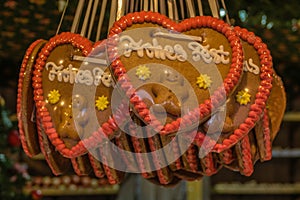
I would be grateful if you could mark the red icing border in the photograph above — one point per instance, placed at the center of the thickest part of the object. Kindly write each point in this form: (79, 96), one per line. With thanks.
(246, 148)
(176, 152)
(191, 155)
(19, 96)
(139, 153)
(267, 137)
(156, 161)
(209, 167)
(109, 171)
(205, 108)
(76, 166)
(124, 157)
(262, 95)
(99, 173)
(107, 129)
(43, 150)
(227, 156)
(247, 164)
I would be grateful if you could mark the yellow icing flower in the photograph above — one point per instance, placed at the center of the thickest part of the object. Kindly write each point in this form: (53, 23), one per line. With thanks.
(101, 103)
(204, 81)
(243, 97)
(143, 72)
(54, 96)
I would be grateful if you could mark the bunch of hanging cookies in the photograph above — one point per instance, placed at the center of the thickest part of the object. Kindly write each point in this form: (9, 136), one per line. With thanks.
(166, 99)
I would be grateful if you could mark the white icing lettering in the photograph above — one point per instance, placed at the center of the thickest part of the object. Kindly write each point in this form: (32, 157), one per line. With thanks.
(249, 66)
(176, 52)
(180, 52)
(153, 49)
(157, 48)
(199, 52)
(208, 55)
(97, 72)
(54, 71)
(84, 77)
(219, 55)
(169, 53)
(130, 45)
(72, 75)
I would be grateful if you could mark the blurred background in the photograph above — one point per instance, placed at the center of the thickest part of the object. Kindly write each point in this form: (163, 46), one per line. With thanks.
(277, 22)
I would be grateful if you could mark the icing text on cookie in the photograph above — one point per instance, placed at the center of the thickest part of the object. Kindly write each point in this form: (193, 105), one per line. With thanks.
(175, 52)
(72, 75)
(208, 55)
(249, 66)
(153, 50)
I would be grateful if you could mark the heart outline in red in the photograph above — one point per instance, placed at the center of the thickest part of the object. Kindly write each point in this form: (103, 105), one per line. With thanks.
(205, 108)
(106, 130)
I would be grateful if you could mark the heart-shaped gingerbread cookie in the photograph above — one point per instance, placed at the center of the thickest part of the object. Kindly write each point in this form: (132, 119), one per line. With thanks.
(72, 91)
(181, 71)
(248, 110)
(25, 104)
(246, 105)
(67, 89)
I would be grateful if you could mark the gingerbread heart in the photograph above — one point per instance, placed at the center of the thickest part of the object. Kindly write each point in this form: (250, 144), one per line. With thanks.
(25, 104)
(182, 71)
(246, 105)
(256, 141)
(68, 87)
(268, 127)
(33, 138)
